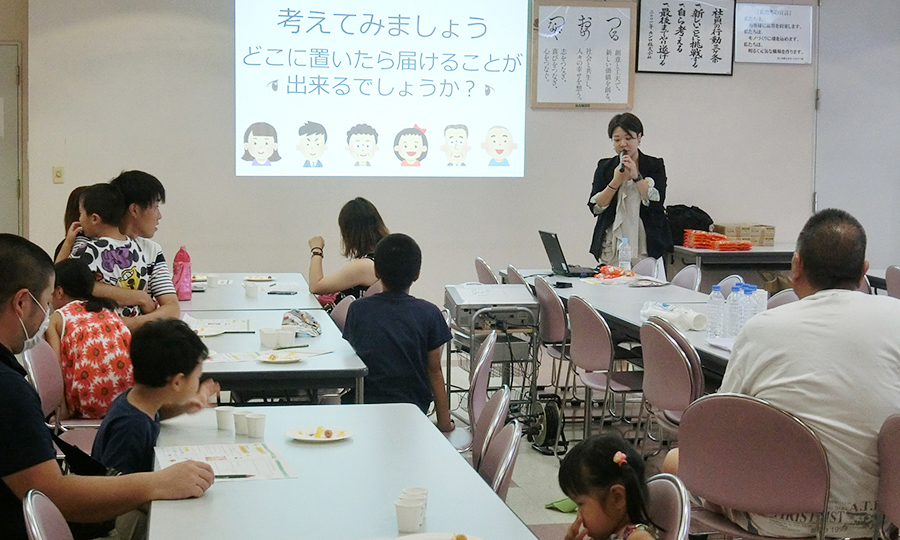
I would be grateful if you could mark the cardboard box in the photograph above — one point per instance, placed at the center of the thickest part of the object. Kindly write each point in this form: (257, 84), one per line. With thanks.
(760, 235)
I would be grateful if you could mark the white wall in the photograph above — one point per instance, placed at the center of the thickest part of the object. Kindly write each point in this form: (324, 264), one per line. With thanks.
(148, 85)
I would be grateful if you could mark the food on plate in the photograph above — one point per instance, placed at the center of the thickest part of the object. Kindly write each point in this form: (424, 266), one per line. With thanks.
(458, 537)
(610, 272)
(319, 431)
(328, 433)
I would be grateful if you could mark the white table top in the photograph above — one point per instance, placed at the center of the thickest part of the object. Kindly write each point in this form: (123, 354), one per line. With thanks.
(232, 296)
(345, 490)
(341, 362)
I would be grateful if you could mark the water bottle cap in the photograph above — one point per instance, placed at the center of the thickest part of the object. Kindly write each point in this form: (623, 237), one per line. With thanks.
(717, 287)
(624, 240)
(736, 288)
(748, 290)
(752, 287)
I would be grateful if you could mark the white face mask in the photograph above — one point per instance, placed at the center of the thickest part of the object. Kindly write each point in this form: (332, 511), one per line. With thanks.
(31, 342)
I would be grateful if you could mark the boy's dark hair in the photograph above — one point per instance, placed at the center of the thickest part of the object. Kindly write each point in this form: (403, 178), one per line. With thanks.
(106, 201)
(362, 129)
(140, 188)
(361, 228)
(164, 348)
(411, 131)
(77, 281)
(261, 129)
(457, 126)
(312, 128)
(398, 260)
(832, 247)
(72, 207)
(23, 265)
(590, 469)
(627, 121)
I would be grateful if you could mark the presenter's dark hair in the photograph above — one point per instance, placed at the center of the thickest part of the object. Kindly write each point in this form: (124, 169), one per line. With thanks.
(627, 121)
(77, 281)
(411, 131)
(261, 129)
(164, 348)
(398, 260)
(140, 188)
(362, 129)
(72, 209)
(312, 128)
(23, 265)
(832, 248)
(106, 201)
(361, 228)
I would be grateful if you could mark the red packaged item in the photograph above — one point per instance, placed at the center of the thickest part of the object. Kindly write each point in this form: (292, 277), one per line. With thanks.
(733, 245)
(181, 274)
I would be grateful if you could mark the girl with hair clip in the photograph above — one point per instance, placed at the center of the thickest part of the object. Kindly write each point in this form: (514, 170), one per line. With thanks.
(91, 342)
(604, 475)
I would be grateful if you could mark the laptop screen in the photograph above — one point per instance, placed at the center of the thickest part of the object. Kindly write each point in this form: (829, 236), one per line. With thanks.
(554, 253)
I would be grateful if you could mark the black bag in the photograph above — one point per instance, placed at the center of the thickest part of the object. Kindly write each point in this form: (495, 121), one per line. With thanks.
(683, 217)
(82, 464)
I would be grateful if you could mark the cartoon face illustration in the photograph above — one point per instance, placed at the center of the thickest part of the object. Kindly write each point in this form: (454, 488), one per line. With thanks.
(411, 146)
(130, 279)
(456, 144)
(261, 144)
(362, 147)
(312, 143)
(498, 143)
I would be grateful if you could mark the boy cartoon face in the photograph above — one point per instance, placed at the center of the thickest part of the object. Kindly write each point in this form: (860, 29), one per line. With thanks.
(456, 145)
(362, 147)
(498, 143)
(410, 147)
(260, 147)
(312, 146)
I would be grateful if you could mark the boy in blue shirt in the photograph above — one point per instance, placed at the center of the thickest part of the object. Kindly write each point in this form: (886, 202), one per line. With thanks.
(167, 357)
(398, 336)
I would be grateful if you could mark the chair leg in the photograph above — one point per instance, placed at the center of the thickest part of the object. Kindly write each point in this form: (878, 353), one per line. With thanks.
(588, 412)
(637, 426)
(606, 397)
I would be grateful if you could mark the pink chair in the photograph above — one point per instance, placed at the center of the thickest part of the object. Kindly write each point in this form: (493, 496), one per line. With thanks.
(741, 453)
(374, 288)
(43, 520)
(479, 376)
(688, 277)
(669, 506)
(485, 274)
(339, 313)
(781, 298)
(553, 327)
(591, 350)
(646, 267)
(729, 282)
(889, 462)
(489, 423)
(500, 458)
(892, 279)
(514, 277)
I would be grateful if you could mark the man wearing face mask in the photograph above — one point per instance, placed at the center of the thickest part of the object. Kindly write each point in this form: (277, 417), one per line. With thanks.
(27, 456)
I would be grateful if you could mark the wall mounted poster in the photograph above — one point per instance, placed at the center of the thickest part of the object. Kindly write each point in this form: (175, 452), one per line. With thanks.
(774, 34)
(582, 55)
(686, 37)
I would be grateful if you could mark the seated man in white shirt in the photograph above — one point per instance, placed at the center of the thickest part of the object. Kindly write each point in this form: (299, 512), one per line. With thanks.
(833, 360)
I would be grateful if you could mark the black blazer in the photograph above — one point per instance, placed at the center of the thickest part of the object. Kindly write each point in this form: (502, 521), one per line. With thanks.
(656, 226)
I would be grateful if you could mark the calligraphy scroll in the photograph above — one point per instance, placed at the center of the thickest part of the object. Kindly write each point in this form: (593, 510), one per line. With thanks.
(681, 36)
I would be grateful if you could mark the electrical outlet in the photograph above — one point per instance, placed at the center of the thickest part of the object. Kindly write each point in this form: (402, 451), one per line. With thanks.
(58, 175)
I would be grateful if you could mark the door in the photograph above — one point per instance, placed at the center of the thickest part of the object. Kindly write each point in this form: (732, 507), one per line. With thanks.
(10, 166)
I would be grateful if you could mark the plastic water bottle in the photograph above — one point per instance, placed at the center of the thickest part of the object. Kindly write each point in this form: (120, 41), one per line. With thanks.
(748, 304)
(715, 313)
(762, 300)
(625, 254)
(733, 312)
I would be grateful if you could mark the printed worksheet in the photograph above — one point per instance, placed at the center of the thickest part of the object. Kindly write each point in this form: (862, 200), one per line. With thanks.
(246, 461)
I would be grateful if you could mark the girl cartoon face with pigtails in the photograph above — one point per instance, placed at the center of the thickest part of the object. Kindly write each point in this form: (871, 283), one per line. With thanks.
(411, 146)
(261, 144)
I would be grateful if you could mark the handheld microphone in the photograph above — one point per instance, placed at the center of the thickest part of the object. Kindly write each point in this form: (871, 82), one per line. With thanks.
(621, 165)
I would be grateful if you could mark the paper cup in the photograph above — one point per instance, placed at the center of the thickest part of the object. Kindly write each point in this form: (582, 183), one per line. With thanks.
(422, 497)
(212, 281)
(240, 422)
(286, 338)
(409, 515)
(251, 290)
(268, 338)
(256, 425)
(416, 491)
(224, 415)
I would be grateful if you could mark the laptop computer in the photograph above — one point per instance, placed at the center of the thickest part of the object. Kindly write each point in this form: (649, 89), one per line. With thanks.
(558, 261)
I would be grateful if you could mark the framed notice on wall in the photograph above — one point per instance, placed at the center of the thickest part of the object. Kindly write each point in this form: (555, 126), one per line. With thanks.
(582, 54)
(686, 37)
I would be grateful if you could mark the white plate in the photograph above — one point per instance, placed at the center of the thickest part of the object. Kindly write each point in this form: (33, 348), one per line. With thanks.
(279, 357)
(209, 332)
(198, 277)
(308, 434)
(433, 536)
(259, 278)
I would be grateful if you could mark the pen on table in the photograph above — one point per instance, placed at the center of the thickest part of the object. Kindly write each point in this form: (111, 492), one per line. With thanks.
(226, 476)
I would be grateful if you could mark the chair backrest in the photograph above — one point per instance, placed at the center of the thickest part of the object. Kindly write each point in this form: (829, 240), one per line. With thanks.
(781, 298)
(668, 378)
(889, 462)
(485, 274)
(500, 458)
(46, 376)
(514, 277)
(339, 313)
(374, 288)
(43, 520)
(554, 324)
(729, 282)
(892, 279)
(591, 346)
(864, 285)
(489, 423)
(688, 277)
(689, 351)
(669, 506)
(646, 267)
(479, 376)
(740, 452)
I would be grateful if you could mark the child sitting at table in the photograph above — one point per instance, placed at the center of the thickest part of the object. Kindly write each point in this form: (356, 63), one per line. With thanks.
(167, 357)
(90, 341)
(398, 336)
